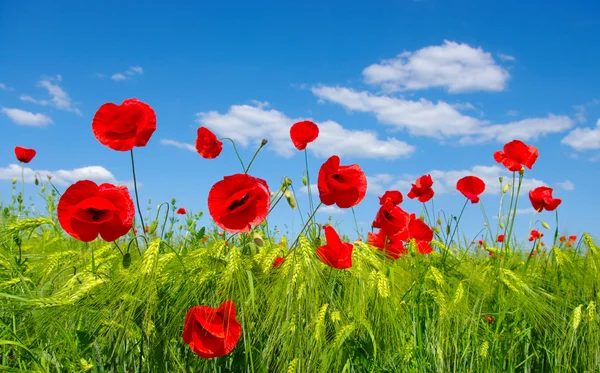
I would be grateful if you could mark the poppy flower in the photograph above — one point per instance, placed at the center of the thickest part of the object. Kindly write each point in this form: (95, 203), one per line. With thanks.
(121, 127)
(181, 211)
(335, 253)
(500, 238)
(344, 186)
(421, 233)
(277, 262)
(239, 201)
(421, 189)
(303, 133)
(471, 187)
(391, 219)
(517, 154)
(535, 235)
(541, 199)
(489, 319)
(562, 239)
(24, 155)
(207, 144)
(392, 196)
(572, 238)
(393, 247)
(86, 209)
(212, 332)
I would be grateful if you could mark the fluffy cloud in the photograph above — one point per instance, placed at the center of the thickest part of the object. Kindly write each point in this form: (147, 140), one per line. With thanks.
(567, 185)
(4, 87)
(59, 98)
(247, 124)
(331, 210)
(97, 174)
(128, 74)
(26, 118)
(584, 138)
(456, 67)
(177, 144)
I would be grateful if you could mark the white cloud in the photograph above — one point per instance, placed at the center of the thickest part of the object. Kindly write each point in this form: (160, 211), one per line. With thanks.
(178, 144)
(59, 98)
(457, 67)
(566, 185)
(377, 184)
(4, 87)
(512, 113)
(506, 57)
(331, 210)
(525, 130)
(247, 124)
(26, 118)
(97, 174)
(580, 113)
(132, 71)
(584, 138)
(445, 181)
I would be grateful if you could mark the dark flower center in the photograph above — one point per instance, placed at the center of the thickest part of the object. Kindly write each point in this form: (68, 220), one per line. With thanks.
(238, 202)
(95, 214)
(337, 177)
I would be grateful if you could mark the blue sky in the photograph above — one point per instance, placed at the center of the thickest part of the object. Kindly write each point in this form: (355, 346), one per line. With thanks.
(403, 88)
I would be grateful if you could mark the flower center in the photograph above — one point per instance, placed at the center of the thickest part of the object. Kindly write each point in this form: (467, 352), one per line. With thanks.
(238, 202)
(337, 177)
(96, 214)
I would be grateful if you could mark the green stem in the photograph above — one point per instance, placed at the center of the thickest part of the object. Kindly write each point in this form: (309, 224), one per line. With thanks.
(137, 199)
(310, 201)
(303, 228)
(236, 151)
(512, 198)
(356, 224)
(556, 230)
(456, 226)
(262, 144)
(514, 212)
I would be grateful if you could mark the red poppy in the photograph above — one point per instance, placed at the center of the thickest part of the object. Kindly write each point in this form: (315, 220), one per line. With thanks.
(181, 211)
(207, 144)
(345, 186)
(422, 189)
(541, 199)
(392, 196)
(393, 247)
(147, 229)
(572, 238)
(480, 242)
(303, 133)
(500, 238)
(562, 239)
(335, 253)
(239, 201)
(86, 210)
(121, 127)
(212, 332)
(278, 261)
(24, 155)
(489, 319)
(517, 154)
(535, 235)
(391, 219)
(421, 232)
(471, 187)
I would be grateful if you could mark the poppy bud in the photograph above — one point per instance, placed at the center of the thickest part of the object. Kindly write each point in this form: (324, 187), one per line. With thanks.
(522, 171)
(505, 190)
(545, 225)
(287, 182)
(49, 177)
(448, 229)
(439, 221)
(43, 189)
(501, 225)
(291, 200)
(437, 229)
(264, 142)
(180, 226)
(14, 180)
(272, 194)
(304, 181)
(422, 217)
(501, 179)
(258, 240)
(36, 182)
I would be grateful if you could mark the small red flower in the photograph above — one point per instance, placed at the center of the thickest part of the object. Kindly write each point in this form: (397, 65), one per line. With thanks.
(562, 239)
(393, 247)
(24, 155)
(572, 238)
(541, 199)
(181, 211)
(471, 187)
(392, 196)
(344, 186)
(516, 155)
(335, 253)
(278, 261)
(391, 219)
(303, 133)
(500, 238)
(422, 189)
(121, 127)
(239, 201)
(207, 144)
(212, 332)
(147, 228)
(489, 319)
(535, 235)
(86, 210)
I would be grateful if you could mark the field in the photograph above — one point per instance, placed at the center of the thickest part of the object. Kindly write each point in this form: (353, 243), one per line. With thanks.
(418, 299)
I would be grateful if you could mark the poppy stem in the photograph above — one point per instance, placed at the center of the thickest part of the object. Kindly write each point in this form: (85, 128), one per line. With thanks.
(303, 228)
(310, 201)
(137, 199)
(22, 186)
(514, 212)
(556, 230)
(356, 224)
(456, 226)
(262, 144)
(236, 151)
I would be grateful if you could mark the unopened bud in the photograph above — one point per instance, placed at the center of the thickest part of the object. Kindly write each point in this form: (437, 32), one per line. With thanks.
(545, 225)
(505, 190)
(258, 240)
(422, 217)
(264, 142)
(43, 188)
(501, 179)
(437, 229)
(448, 229)
(290, 199)
(180, 226)
(501, 225)
(287, 182)
(522, 171)
(439, 221)
(36, 182)
(14, 180)
(304, 180)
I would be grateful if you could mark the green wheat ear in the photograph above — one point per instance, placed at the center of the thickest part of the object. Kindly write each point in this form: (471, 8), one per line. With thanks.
(28, 224)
